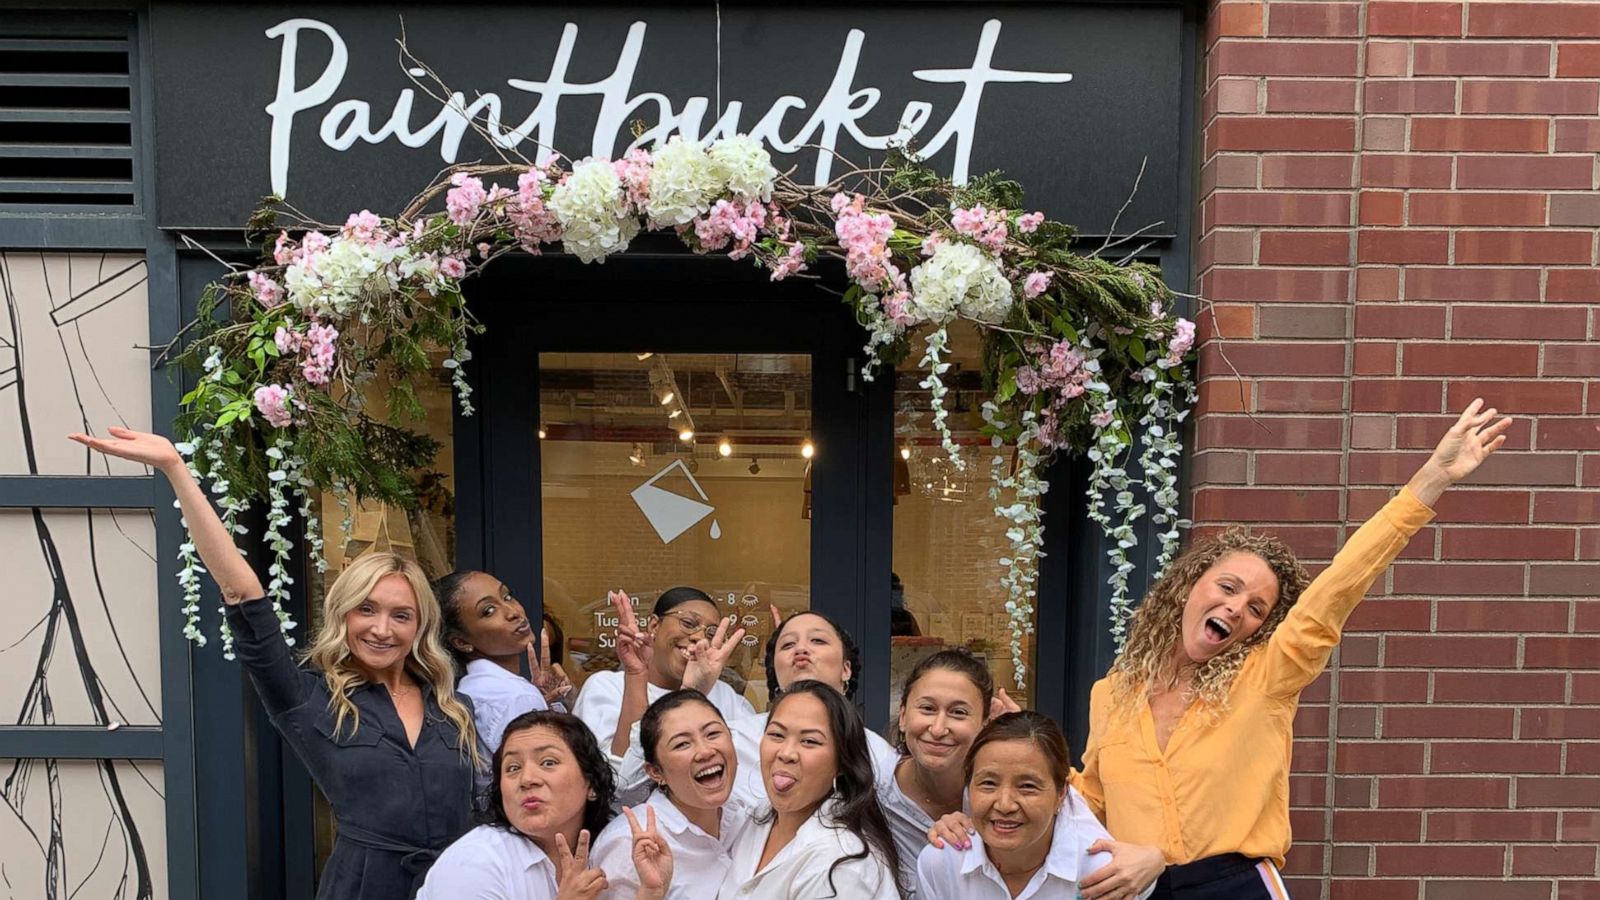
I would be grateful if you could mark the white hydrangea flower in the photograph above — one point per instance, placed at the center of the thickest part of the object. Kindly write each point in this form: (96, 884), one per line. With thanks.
(592, 208)
(959, 277)
(683, 182)
(744, 167)
(330, 282)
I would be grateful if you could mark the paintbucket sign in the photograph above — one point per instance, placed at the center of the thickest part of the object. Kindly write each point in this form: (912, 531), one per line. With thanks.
(316, 104)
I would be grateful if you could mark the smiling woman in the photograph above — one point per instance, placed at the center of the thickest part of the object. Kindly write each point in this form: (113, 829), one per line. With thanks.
(373, 708)
(1217, 657)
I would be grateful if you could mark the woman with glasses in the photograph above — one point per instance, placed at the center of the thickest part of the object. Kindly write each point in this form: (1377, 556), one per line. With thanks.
(682, 618)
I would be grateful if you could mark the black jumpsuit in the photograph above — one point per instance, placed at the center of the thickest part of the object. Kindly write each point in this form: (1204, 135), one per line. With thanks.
(397, 807)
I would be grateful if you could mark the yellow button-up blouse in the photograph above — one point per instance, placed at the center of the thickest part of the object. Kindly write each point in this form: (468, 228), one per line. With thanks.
(1223, 787)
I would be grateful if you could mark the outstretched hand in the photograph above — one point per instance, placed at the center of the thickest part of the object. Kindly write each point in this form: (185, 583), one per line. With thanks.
(152, 450)
(1470, 441)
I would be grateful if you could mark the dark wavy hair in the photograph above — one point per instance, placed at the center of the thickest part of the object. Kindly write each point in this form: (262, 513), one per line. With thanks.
(580, 740)
(1037, 729)
(852, 654)
(856, 809)
(951, 659)
(650, 722)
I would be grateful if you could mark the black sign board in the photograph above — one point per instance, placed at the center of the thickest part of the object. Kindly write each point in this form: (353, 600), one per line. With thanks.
(314, 101)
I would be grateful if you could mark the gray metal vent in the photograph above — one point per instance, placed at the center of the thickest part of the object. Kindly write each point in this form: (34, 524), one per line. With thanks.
(66, 120)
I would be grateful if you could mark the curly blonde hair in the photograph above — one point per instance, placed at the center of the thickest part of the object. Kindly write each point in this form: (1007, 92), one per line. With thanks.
(428, 660)
(1156, 633)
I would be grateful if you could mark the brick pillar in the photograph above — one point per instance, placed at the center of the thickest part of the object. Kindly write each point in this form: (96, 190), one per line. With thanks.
(1398, 213)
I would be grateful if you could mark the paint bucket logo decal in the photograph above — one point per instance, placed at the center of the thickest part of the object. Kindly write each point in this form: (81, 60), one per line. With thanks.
(670, 513)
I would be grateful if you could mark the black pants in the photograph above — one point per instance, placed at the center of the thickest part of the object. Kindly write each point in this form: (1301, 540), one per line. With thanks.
(1226, 877)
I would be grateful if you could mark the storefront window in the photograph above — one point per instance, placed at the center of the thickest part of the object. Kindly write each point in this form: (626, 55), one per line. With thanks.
(659, 470)
(947, 541)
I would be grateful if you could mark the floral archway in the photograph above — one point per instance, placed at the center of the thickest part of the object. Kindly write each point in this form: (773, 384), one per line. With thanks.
(1081, 354)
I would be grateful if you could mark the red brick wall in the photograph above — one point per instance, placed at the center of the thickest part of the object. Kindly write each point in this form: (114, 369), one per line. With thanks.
(1399, 213)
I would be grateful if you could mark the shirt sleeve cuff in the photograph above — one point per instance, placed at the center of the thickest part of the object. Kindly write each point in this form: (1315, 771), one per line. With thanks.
(1406, 513)
(251, 619)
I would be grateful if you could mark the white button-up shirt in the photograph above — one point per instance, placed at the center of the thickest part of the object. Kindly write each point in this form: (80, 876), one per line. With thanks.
(491, 863)
(599, 703)
(800, 871)
(498, 696)
(699, 861)
(949, 873)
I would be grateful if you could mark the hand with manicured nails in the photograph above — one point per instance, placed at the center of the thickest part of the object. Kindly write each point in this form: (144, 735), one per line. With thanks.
(953, 830)
(152, 450)
(707, 659)
(1133, 868)
(574, 879)
(652, 858)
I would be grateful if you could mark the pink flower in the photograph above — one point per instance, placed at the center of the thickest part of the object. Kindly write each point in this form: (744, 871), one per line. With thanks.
(364, 226)
(1035, 284)
(865, 239)
(1030, 222)
(633, 170)
(838, 202)
(283, 250)
(1182, 338)
(288, 341)
(897, 306)
(532, 222)
(320, 345)
(268, 292)
(485, 248)
(463, 201)
(987, 227)
(313, 243)
(452, 267)
(1103, 418)
(790, 263)
(970, 222)
(932, 243)
(272, 401)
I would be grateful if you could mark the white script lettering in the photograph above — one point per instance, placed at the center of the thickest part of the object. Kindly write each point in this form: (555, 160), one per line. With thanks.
(841, 107)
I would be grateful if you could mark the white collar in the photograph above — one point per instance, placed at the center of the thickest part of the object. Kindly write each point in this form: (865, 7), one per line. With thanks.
(488, 668)
(671, 818)
(1061, 861)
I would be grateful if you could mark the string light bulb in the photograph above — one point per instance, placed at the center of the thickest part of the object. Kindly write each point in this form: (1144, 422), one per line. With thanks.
(541, 432)
(725, 447)
(905, 451)
(808, 449)
(686, 434)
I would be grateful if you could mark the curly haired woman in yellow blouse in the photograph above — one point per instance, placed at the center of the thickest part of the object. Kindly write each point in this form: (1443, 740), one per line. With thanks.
(1190, 733)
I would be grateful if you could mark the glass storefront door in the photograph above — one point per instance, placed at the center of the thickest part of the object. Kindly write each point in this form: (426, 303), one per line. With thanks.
(667, 433)
(665, 469)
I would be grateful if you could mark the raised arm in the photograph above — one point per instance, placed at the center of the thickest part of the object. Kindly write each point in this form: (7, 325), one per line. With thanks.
(1299, 649)
(211, 538)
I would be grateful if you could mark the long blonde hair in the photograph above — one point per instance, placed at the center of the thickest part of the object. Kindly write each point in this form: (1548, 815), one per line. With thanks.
(428, 660)
(1156, 633)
